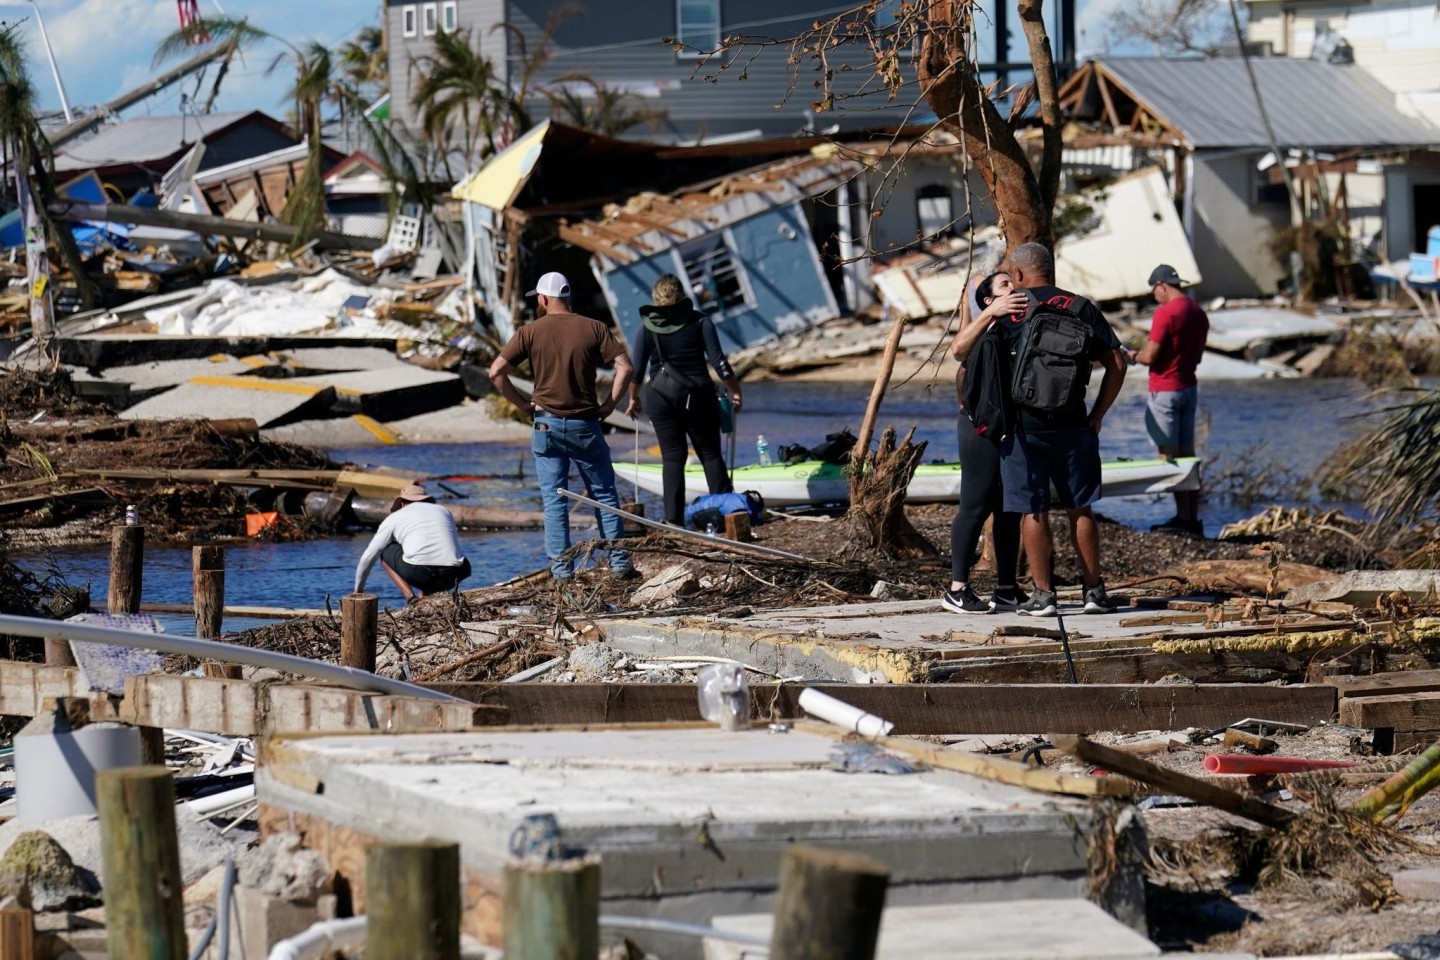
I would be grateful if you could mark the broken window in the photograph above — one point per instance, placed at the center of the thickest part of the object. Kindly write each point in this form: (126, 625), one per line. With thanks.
(1271, 194)
(450, 16)
(934, 210)
(715, 275)
(430, 19)
(408, 21)
(697, 26)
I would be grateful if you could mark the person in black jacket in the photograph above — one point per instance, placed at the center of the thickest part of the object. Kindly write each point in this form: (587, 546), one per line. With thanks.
(980, 491)
(670, 359)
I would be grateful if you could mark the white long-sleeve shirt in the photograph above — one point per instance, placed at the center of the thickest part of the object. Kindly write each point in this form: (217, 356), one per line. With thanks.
(426, 534)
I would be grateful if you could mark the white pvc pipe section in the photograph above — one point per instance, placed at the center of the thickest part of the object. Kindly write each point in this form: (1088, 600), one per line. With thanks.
(320, 940)
(842, 714)
(350, 677)
(214, 803)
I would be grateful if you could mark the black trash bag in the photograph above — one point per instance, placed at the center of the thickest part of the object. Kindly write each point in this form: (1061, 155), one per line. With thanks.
(836, 448)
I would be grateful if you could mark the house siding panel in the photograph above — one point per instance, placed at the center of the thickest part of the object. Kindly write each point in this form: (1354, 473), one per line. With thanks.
(480, 17)
(1230, 232)
(699, 99)
(782, 273)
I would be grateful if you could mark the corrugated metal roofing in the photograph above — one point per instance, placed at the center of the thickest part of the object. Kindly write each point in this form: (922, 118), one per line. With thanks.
(141, 140)
(1310, 103)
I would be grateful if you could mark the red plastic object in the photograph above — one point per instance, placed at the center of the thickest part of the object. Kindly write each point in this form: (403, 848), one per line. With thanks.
(1241, 763)
(256, 522)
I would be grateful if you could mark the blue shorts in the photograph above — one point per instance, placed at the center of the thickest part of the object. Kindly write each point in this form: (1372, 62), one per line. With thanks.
(1170, 418)
(1059, 469)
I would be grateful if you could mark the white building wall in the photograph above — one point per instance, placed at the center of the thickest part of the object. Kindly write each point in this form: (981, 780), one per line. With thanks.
(1398, 41)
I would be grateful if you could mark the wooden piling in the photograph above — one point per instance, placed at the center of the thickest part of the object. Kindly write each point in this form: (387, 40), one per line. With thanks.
(208, 571)
(144, 892)
(359, 622)
(828, 906)
(552, 909)
(58, 654)
(17, 934)
(412, 901)
(737, 527)
(635, 510)
(127, 563)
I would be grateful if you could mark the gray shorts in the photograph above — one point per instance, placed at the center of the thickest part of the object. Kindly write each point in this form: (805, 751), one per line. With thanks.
(1170, 418)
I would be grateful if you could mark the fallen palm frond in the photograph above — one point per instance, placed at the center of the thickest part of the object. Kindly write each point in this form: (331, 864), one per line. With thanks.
(1397, 467)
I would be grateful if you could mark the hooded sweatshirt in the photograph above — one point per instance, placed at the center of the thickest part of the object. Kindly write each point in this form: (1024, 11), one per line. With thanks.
(681, 337)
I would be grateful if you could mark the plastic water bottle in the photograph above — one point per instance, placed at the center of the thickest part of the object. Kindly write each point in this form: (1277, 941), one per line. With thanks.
(762, 451)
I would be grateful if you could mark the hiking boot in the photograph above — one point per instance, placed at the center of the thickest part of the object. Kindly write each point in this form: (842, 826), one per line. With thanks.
(1173, 525)
(1040, 604)
(964, 600)
(1195, 528)
(1008, 599)
(629, 573)
(1096, 600)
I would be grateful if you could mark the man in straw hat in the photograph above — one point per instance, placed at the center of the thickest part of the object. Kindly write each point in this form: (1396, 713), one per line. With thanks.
(417, 545)
(564, 350)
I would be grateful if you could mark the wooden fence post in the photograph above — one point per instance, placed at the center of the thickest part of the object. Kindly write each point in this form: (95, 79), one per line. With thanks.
(17, 934)
(144, 892)
(127, 566)
(208, 571)
(552, 909)
(359, 622)
(828, 906)
(412, 901)
(630, 528)
(737, 527)
(58, 654)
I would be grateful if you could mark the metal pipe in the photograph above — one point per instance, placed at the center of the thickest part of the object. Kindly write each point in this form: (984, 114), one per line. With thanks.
(54, 68)
(214, 650)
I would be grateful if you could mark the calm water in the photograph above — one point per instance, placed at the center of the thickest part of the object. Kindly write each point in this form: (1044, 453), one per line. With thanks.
(1291, 426)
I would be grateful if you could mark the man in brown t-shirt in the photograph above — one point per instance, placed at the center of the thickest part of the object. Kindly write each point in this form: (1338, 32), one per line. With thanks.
(564, 350)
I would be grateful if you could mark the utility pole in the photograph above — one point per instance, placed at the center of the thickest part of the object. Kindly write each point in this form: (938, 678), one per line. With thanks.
(37, 257)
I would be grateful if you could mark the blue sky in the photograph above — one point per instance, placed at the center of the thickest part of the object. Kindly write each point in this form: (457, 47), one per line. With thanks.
(104, 47)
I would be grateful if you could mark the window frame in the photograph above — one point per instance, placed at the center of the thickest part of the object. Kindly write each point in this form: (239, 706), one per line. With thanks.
(410, 20)
(449, 16)
(691, 53)
(1264, 193)
(702, 247)
(932, 192)
(430, 19)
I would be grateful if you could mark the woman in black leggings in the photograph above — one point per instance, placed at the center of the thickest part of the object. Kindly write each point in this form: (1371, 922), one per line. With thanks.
(678, 336)
(980, 494)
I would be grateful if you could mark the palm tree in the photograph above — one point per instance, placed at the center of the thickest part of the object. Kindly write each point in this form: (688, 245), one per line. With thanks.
(458, 88)
(364, 60)
(606, 110)
(26, 146)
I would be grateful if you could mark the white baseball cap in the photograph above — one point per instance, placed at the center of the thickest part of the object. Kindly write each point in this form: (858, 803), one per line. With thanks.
(552, 284)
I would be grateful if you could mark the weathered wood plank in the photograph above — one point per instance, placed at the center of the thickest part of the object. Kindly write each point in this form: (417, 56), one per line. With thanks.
(1128, 665)
(927, 708)
(1406, 712)
(25, 686)
(1385, 684)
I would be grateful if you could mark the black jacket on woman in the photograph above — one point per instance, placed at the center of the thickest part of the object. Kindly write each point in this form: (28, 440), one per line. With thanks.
(686, 340)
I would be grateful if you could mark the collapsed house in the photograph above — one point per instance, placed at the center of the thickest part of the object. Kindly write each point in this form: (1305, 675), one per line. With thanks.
(1353, 155)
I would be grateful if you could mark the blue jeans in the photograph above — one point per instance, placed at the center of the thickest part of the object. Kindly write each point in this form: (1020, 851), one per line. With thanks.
(556, 442)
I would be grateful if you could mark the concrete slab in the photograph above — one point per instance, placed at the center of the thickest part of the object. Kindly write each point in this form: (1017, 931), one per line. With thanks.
(1362, 588)
(169, 373)
(902, 641)
(391, 393)
(1014, 930)
(344, 359)
(269, 402)
(689, 822)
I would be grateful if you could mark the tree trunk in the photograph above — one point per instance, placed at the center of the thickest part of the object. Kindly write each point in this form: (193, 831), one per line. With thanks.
(951, 85)
(877, 496)
(1047, 93)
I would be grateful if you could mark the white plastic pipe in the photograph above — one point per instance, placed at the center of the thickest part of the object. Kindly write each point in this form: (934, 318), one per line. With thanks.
(225, 652)
(216, 802)
(841, 714)
(320, 940)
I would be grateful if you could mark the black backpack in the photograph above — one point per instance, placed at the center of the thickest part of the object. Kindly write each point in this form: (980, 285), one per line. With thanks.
(1051, 366)
(985, 394)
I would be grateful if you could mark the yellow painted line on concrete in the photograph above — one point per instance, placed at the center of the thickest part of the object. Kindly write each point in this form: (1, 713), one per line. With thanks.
(255, 360)
(381, 432)
(256, 383)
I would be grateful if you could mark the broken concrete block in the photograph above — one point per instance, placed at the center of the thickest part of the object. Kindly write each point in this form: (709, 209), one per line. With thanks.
(1417, 884)
(280, 867)
(1361, 588)
(38, 872)
(669, 584)
(593, 661)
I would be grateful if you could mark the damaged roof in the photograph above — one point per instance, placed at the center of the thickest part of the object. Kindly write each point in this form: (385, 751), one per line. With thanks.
(650, 222)
(153, 140)
(1309, 103)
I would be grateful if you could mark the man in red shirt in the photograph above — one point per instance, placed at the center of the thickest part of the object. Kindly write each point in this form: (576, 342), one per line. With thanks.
(1172, 352)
